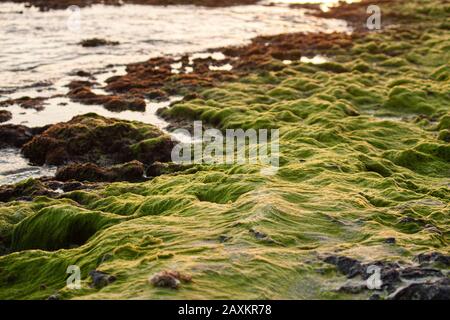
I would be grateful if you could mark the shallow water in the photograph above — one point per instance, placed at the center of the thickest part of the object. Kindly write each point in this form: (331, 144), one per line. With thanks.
(14, 168)
(39, 46)
(42, 48)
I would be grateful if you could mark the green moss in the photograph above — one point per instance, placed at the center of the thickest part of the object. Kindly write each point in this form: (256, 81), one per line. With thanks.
(58, 227)
(364, 157)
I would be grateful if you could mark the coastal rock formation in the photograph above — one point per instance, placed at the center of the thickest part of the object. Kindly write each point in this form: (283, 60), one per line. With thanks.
(5, 115)
(97, 42)
(132, 171)
(26, 103)
(24, 190)
(82, 93)
(14, 135)
(100, 140)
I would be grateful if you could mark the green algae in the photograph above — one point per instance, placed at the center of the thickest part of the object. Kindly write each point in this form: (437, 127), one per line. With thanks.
(354, 172)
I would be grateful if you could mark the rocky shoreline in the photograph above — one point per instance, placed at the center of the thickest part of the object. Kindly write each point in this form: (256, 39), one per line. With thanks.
(343, 135)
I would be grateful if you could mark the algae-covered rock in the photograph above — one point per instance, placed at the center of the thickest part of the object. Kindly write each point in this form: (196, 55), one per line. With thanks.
(5, 115)
(169, 279)
(16, 136)
(130, 171)
(24, 190)
(100, 140)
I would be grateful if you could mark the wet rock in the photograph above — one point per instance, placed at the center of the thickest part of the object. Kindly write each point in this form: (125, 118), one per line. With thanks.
(84, 74)
(24, 190)
(54, 185)
(258, 234)
(102, 141)
(101, 279)
(391, 275)
(158, 168)
(26, 103)
(158, 95)
(169, 279)
(433, 257)
(80, 84)
(73, 186)
(390, 240)
(53, 297)
(120, 104)
(13, 135)
(97, 42)
(418, 272)
(132, 171)
(5, 115)
(82, 93)
(348, 266)
(437, 290)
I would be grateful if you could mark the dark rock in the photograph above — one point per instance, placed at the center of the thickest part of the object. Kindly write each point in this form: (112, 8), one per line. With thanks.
(84, 74)
(24, 190)
(5, 115)
(433, 257)
(169, 279)
(132, 171)
(348, 266)
(261, 236)
(80, 84)
(53, 297)
(13, 135)
(258, 234)
(417, 272)
(158, 168)
(437, 290)
(156, 94)
(120, 104)
(54, 185)
(97, 42)
(101, 279)
(74, 185)
(26, 103)
(390, 240)
(100, 140)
